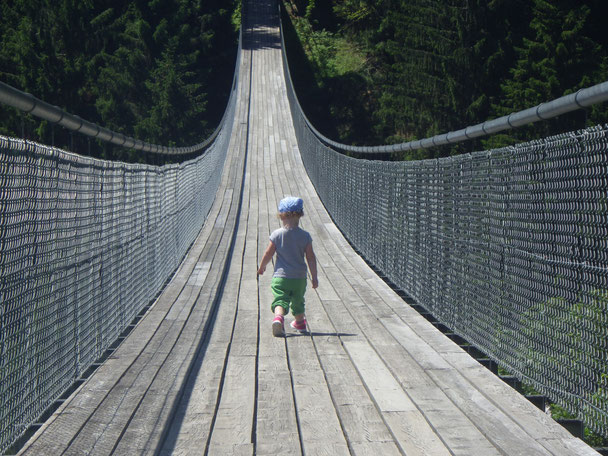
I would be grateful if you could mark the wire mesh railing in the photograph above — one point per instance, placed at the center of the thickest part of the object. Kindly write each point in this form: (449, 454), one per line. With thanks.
(507, 247)
(85, 245)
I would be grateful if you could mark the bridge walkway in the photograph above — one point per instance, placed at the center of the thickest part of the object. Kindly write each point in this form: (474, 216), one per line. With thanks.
(201, 373)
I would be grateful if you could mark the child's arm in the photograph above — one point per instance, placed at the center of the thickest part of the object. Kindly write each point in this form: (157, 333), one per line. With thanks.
(267, 257)
(312, 264)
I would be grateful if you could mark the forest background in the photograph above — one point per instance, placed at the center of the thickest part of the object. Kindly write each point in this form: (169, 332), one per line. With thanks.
(367, 72)
(371, 72)
(156, 70)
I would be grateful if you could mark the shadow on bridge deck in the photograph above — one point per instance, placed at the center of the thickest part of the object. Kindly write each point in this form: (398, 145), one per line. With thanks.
(202, 374)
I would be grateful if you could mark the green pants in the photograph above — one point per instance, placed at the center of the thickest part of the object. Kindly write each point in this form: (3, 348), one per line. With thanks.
(288, 293)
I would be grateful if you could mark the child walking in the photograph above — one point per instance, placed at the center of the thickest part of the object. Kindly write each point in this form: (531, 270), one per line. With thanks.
(292, 244)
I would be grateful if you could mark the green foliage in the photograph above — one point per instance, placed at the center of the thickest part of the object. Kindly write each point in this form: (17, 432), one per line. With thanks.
(560, 413)
(327, 66)
(565, 340)
(158, 70)
(423, 67)
(555, 57)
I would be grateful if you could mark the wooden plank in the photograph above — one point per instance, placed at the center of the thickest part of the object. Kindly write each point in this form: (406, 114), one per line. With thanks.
(199, 274)
(191, 428)
(413, 435)
(245, 449)
(420, 387)
(498, 427)
(536, 424)
(396, 406)
(166, 390)
(276, 426)
(361, 421)
(104, 407)
(546, 431)
(196, 410)
(374, 449)
(122, 405)
(233, 425)
(317, 416)
(383, 387)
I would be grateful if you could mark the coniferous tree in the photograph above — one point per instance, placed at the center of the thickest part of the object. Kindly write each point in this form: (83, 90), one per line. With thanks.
(159, 70)
(420, 64)
(432, 66)
(556, 57)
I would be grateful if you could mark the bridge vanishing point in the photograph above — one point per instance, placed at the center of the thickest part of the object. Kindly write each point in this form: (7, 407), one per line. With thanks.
(201, 373)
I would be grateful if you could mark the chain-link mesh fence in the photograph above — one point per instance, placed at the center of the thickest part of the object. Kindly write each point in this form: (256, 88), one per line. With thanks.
(85, 244)
(508, 248)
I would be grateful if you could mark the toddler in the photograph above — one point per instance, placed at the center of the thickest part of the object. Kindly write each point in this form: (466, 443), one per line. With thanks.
(292, 244)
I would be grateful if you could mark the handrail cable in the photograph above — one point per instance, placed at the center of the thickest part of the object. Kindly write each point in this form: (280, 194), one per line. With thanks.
(583, 98)
(28, 103)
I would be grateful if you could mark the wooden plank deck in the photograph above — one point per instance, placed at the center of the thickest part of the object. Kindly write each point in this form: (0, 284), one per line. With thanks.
(202, 374)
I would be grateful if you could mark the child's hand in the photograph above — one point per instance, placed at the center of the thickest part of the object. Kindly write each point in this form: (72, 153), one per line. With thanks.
(315, 282)
(266, 258)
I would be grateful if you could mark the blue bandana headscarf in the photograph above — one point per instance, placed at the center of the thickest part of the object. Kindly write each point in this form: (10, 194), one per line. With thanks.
(291, 204)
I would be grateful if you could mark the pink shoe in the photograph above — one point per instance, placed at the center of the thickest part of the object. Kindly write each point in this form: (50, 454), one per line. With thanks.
(299, 326)
(277, 326)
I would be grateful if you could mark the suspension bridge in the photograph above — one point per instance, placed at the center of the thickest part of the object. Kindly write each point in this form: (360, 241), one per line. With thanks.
(197, 371)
